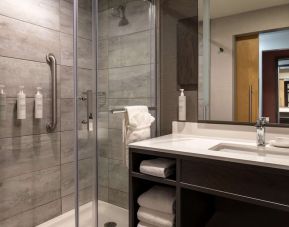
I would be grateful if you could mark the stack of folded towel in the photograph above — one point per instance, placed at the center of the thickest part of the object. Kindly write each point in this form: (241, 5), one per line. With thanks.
(159, 167)
(157, 207)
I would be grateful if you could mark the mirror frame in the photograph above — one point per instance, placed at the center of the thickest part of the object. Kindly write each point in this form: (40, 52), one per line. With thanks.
(206, 63)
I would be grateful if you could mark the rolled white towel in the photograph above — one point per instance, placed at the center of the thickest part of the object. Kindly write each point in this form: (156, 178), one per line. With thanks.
(155, 218)
(141, 224)
(159, 198)
(159, 167)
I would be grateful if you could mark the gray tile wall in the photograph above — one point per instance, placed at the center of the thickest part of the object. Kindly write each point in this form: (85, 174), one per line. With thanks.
(36, 171)
(125, 77)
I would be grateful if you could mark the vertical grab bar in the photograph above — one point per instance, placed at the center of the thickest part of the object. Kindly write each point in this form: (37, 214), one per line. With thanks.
(53, 64)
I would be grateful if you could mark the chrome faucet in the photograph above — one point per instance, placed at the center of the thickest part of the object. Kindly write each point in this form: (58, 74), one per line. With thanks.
(260, 126)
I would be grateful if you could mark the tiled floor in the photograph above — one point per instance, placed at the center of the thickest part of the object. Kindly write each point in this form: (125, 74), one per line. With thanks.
(107, 213)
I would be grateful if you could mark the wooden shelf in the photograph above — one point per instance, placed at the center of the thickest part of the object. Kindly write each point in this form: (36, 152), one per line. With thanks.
(160, 180)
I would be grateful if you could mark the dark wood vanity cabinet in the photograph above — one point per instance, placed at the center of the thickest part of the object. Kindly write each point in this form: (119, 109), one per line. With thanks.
(213, 193)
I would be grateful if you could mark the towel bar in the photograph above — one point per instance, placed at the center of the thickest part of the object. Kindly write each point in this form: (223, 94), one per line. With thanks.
(122, 110)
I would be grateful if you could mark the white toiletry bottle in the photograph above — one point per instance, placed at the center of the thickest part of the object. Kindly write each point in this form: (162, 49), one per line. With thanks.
(90, 123)
(3, 103)
(38, 104)
(21, 104)
(182, 106)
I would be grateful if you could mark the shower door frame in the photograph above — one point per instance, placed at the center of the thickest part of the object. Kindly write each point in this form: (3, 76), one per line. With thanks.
(94, 17)
(95, 26)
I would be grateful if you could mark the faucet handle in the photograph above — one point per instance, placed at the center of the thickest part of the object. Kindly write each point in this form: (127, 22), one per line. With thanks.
(261, 122)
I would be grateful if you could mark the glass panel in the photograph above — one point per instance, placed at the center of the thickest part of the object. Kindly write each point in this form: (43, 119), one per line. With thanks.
(126, 76)
(86, 86)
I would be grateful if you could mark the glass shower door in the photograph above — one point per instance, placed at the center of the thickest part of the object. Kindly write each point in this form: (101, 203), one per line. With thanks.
(126, 76)
(85, 99)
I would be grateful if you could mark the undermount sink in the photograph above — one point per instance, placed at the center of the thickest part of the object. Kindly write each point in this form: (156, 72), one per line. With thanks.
(251, 150)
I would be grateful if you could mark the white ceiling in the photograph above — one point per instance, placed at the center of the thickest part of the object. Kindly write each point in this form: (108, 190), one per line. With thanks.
(222, 8)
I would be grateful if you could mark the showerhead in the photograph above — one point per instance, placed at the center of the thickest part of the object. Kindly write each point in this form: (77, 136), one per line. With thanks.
(120, 12)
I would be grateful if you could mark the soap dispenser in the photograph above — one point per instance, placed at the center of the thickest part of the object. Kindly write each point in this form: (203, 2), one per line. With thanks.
(3, 103)
(182, 106)
(21, 104)
(38, 108)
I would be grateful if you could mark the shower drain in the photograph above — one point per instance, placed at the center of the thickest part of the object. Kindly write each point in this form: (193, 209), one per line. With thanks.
(110, 224)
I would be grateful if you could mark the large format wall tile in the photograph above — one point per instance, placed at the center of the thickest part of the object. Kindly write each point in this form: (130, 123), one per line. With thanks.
(102, 84)
(86, 147)
(25, 154)
(84, 20)
(35, 216)
(103, 25)
(23, 43)
(137, 13)
(102, 54)
(116, 148)
(67, 114)
(85, 81)
(102, 142)
(118, 198)
(29, 191)
(85, 196)
(12, 127)
(67, 176)
(84, 51)
(102, 5)
(118, 175)
(103, 172)
(40, 12)
(129, 82)
(84, 4)
(129, 50)
(16, 72)
(102, 193)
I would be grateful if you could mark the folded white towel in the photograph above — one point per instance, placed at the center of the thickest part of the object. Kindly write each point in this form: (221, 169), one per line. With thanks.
(155, 218)
(136, 126)
(159, 198)
(159, 167)
(141, 224)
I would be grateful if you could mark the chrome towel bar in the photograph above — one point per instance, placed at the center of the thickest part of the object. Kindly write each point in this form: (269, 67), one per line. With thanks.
(122, 110)
(51, 60)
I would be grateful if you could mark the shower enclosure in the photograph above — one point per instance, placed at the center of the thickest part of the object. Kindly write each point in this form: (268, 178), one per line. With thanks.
(89, 57)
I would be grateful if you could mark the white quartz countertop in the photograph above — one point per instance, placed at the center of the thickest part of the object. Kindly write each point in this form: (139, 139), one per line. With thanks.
(200, 146)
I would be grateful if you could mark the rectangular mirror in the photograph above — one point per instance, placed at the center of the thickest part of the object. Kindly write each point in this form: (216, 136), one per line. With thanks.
(243, 61)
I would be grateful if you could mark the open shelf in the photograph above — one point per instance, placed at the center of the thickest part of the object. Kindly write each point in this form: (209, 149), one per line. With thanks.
(154, 179)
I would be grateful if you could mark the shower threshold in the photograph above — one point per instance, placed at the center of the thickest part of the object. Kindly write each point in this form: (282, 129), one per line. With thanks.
(106, 213)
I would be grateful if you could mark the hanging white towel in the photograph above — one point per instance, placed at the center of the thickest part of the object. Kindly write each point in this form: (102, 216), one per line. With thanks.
(136, 126)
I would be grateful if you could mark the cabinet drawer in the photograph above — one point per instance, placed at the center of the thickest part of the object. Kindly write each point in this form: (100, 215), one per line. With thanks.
(256, 182)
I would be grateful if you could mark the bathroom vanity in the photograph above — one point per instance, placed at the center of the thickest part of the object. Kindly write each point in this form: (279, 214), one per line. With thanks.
(218, 182)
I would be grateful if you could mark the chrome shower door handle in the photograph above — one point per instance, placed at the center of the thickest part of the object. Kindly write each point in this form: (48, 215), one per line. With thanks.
(51, 60)
(89, 118)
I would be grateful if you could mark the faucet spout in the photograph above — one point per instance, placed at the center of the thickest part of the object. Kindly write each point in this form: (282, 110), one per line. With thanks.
(261, 126)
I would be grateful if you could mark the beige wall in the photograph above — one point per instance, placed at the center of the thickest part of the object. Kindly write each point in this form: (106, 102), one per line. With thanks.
(222, 69)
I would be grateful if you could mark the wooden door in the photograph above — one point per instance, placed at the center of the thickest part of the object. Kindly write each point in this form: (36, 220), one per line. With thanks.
(270, 83)
(246, 79)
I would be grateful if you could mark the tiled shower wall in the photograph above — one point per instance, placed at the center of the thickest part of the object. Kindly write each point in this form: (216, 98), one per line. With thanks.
(126, 77)
(36, 167)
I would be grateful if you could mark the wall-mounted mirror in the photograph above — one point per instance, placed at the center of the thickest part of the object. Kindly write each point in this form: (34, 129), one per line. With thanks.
(243, 60)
